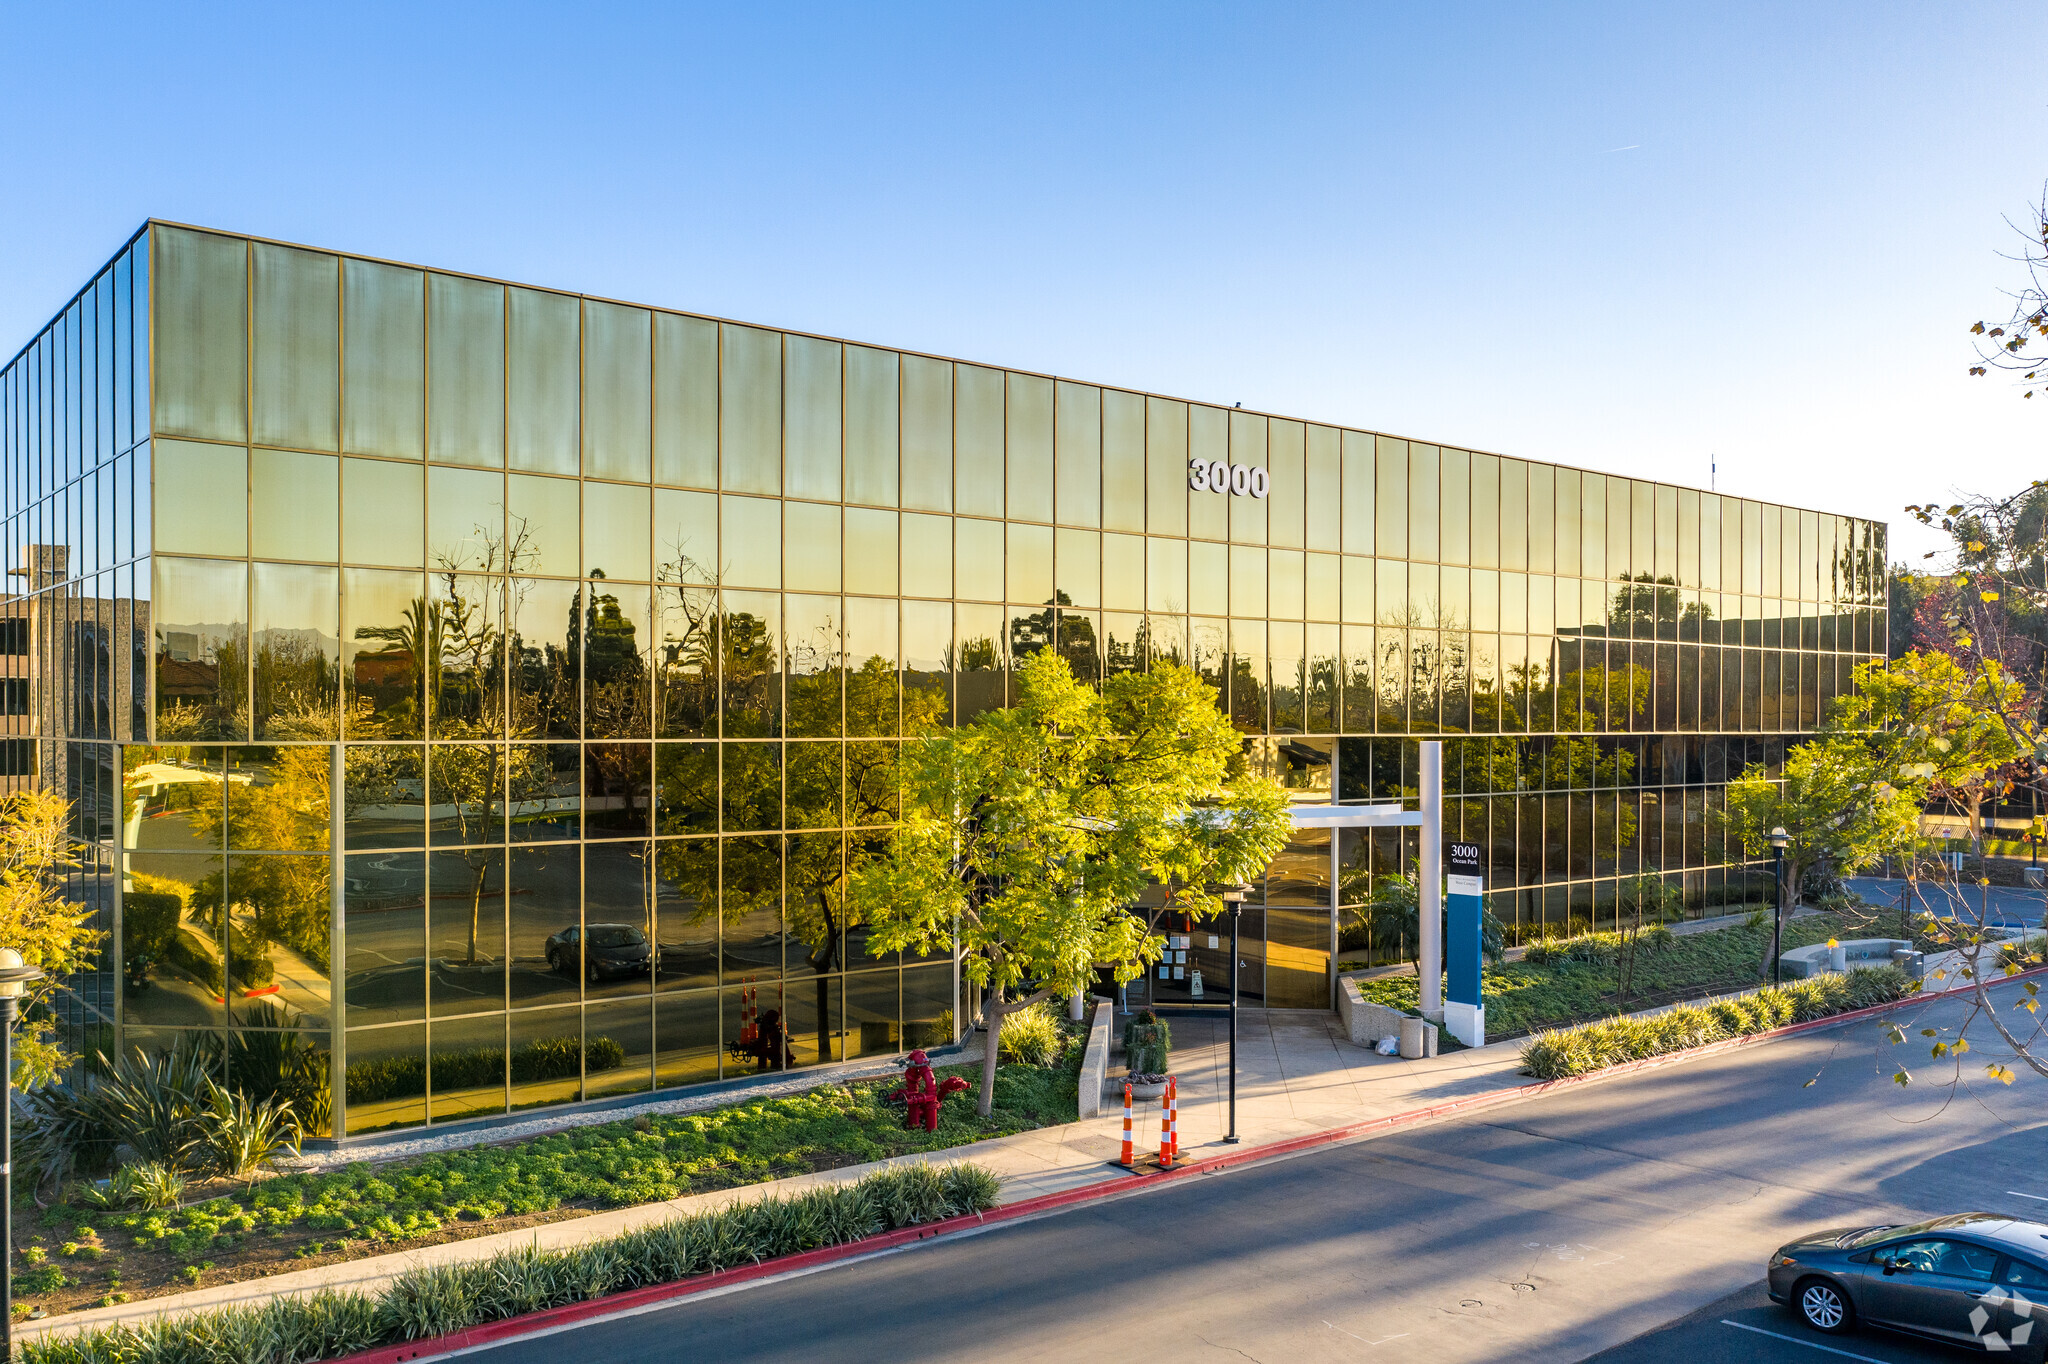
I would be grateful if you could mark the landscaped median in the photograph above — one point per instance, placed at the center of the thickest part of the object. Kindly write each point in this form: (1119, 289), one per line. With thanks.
(439, 1300)
(1565, 1052)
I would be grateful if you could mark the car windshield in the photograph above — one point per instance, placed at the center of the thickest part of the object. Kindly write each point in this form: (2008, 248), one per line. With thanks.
(616, 935)
(1864, 1238)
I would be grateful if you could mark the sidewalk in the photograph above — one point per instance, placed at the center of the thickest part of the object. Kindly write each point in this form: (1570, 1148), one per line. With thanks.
(1297, 1075)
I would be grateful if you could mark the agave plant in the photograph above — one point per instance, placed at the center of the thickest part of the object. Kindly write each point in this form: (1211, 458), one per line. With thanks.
(239, 1135)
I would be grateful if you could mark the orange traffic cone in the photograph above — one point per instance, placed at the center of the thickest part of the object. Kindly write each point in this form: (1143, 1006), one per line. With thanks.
(1128, 1160)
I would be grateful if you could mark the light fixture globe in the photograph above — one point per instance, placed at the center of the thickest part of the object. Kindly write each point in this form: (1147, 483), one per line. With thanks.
(1779, 838)
(14, 976)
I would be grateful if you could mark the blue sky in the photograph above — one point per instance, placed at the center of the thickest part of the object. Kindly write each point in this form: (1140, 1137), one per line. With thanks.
(1623, 236)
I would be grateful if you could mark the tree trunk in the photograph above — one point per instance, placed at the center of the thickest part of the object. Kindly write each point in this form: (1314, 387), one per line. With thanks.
(476, 905)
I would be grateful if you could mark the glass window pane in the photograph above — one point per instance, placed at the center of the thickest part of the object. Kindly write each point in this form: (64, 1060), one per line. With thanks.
(750, 542)
(978, 435)
(1247, 581)
(202, 498)
(1123, 460)
(465, 371)
(927, 556)
(871, 396)
(1486, 544)
(1077, 447)
(1077, 567)
(615, 529)
(201, 614)
(1390, 498)
(1424, 541)
(1208, 441)
(545, 956)
(383, 399)
(1454, 482)
(618, 406)
(1248, 441)
(466, 522)
(466, 941)
(1286, 498)
(1028, 424)
(1322, 485)
(872, 665)
(1544, 526)
(200, 317)
(295, 397)
(927, 665)
(1166, 467)
(384, 622)
(871, 551)
(1359, 478)
(297, 645)
(750, 663)
(541, 522)
(1208, 578)
(927, 433)
(685, 401)
(544, 658)
(750, 410)
(1166, 576)
(1285, 584)
(978, 560)
(1123, 572)
(382, 511)
(294, 505)
(541, 373)
(810, 533)
(811, 415)
(1029, 564)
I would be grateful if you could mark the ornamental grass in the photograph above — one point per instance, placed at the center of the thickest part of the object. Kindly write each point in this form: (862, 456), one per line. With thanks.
(1564, 1052)
(437, 1300)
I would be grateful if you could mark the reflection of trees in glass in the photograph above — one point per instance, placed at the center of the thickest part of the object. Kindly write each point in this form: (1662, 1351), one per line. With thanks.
(473, 784)
(296, 685)
(286, 902)
(978, 654)
(205, 698)
(747, 663)
(1648, 607)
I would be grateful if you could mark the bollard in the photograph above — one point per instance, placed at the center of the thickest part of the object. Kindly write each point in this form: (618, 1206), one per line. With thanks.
(1129, 1160)
(1173, 1111)
(1166, 1126)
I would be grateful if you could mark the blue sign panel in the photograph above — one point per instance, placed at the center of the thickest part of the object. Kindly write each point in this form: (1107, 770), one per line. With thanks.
(1467, 886)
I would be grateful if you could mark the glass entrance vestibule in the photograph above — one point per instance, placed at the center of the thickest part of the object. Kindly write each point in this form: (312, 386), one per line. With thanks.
(1291, 928)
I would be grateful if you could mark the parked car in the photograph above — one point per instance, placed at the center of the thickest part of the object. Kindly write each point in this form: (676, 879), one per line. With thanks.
(607, 950)
(1977, 1279)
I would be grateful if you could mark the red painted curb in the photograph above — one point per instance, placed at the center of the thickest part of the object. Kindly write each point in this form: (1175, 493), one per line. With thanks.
(491, 1333)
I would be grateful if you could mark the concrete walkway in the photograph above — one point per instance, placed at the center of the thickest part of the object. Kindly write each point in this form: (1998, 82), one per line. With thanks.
(1296, 1075)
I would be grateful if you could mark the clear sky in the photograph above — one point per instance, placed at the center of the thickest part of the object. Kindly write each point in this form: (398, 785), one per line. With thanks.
(1624, 236)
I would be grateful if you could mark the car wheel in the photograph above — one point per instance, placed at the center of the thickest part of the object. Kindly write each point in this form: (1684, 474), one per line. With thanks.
(1823, 1306)
(554, 962)
(590, 970)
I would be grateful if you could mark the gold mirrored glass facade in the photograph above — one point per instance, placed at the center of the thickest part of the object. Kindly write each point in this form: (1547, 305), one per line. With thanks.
(492, 686)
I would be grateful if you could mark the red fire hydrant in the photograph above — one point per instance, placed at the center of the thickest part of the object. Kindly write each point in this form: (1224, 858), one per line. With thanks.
(921, 1092)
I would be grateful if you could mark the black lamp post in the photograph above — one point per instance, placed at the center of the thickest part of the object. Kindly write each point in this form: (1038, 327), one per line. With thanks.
(1233, 897)
(14, 977)
(1778, 841)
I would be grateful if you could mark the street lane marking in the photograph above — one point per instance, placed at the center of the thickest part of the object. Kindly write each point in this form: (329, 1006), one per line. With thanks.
(1795, 1340)
(2036, 1197)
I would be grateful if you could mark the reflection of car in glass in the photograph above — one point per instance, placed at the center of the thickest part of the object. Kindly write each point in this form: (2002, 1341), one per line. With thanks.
(1979, 1280)
(607, 950)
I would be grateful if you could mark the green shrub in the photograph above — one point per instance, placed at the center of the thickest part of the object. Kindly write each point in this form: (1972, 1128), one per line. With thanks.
(148, 918)
(1148, 1042)
(438, 1299)
(1033, 1037)
(1594, 1046)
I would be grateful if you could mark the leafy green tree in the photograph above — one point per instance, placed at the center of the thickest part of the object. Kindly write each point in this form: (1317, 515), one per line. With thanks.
(1834, 800)
(1937, 725)
(51, 932)
(1035, 829)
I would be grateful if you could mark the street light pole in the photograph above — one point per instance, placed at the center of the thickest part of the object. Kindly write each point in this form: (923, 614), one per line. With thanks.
(1235, 899)
(1778, 841)
(13, 977)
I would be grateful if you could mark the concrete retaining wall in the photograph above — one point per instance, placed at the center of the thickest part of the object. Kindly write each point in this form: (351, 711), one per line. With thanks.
(1365, 1023)
(1095, 1061)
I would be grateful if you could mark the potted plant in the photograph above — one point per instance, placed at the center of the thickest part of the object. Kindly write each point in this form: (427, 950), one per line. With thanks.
(1147, 1041)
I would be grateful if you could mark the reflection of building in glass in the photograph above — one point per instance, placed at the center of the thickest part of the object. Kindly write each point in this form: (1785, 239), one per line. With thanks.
(525, 671)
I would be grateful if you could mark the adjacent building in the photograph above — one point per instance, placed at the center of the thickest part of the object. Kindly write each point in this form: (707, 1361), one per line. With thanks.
(490, 686)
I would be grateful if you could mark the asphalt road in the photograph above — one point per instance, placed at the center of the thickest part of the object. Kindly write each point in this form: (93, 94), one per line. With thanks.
(1748, 1328)
(1548, 1230)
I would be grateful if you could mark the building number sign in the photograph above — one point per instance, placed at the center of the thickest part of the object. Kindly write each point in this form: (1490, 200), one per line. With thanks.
(1239, 480)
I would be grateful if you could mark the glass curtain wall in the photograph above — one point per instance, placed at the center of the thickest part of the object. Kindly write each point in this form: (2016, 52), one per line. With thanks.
(619, 618)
